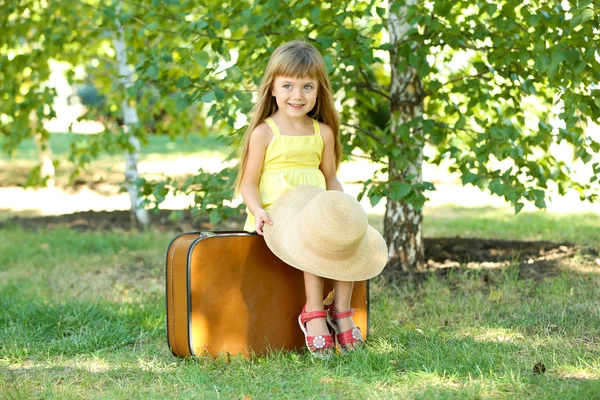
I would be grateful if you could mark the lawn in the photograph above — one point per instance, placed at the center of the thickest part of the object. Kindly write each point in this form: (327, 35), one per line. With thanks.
(82, 316)
(154, 145)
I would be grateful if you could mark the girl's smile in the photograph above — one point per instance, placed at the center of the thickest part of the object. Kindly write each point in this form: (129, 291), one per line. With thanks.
(296, 106)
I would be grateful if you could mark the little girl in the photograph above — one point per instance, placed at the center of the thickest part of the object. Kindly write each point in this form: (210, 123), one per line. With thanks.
(293, 139)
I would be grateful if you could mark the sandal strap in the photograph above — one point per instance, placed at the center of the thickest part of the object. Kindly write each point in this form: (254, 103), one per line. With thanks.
(349, 336)
(339, 315)
(307, 316)
(319, 342)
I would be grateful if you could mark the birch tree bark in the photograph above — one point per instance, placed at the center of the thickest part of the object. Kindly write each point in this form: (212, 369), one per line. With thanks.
(130, 118)
(47, 172)
(403, 224)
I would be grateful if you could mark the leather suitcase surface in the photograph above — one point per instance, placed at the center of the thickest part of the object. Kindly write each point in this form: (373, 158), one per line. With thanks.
(226, 293)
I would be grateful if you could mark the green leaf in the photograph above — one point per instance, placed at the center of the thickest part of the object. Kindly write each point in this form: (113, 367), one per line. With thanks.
(208, 97)
(199, 24)
(496, 187)
(201, 58)
(418, 201)
(582, 17)
(387, 47)
(184, 82)
(468, 177)
(399, 190)
(328, 62)
(585, 157)
(434, 86)
(375, 199)
(152, 72)
(182, 103)
(243, 96)
(518, 207)
(540, 203)
(539, 195)
(219, 93)
(214, 216)
(315, 14)
(234, 73)
(428, 186)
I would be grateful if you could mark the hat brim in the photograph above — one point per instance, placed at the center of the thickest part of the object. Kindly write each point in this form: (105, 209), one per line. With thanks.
(366, 261)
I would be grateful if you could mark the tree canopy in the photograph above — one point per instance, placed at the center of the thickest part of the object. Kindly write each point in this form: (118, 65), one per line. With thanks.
(502, 82)
(494, 77)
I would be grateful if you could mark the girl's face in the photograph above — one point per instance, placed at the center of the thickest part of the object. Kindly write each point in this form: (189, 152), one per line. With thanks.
(295, 97)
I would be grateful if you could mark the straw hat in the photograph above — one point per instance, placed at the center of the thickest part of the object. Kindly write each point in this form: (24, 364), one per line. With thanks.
(326, 233)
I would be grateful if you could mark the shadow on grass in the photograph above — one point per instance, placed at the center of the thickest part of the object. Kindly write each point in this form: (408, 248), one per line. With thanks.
(36, 328)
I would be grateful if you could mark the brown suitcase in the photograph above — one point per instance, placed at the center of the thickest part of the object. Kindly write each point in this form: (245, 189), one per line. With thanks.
(226, 293)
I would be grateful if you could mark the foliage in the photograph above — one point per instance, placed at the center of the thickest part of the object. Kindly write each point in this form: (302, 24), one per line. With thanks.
(29, 41)
(494, 77)
(79, 35)
(497, 78)
(210, 192)
(499, 75)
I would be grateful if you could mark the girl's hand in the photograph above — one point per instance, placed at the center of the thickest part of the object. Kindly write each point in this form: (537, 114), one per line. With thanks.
(261, 218)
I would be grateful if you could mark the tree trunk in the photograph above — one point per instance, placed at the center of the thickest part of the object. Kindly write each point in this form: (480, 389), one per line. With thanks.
(403, 225)
(130, 118)
(47, 173)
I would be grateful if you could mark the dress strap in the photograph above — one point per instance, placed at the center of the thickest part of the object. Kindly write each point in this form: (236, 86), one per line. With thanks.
(272, 125)
(316, 127)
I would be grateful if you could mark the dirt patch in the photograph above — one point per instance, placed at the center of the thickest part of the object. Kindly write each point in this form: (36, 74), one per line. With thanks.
(109, 220)
(439, 250)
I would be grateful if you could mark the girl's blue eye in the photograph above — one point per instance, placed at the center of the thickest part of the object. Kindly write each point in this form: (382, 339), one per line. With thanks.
(287, 86)
(308, 87)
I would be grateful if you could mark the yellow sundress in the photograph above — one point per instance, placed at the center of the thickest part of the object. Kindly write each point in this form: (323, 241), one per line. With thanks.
(289, 161)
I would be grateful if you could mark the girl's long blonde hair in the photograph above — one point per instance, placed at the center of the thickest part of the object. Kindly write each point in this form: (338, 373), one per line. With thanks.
(294, 59)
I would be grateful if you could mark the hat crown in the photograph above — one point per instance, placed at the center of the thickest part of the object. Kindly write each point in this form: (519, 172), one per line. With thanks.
(334, 221)
(325, 233)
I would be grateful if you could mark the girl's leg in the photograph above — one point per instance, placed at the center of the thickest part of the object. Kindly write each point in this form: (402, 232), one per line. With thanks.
(313, 286)
(343, 294)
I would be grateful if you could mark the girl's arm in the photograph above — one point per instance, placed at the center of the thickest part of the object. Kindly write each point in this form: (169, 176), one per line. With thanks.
(328, 159)
(259, 140)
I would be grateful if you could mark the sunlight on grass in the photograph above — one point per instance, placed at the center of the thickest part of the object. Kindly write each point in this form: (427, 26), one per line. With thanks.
(500, 335)
(576, 373)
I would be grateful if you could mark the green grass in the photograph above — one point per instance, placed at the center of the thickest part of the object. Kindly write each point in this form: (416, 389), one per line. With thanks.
(82, 316)
(160, 145)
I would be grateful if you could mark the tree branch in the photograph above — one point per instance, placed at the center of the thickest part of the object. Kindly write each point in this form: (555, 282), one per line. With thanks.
(469, 132)
(364, 157)
(460, 78)
(365, 131)
(164, 6)
(370, 85)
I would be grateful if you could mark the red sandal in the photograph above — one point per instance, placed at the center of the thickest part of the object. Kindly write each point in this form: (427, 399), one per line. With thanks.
(346, 337)
(319, 342)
